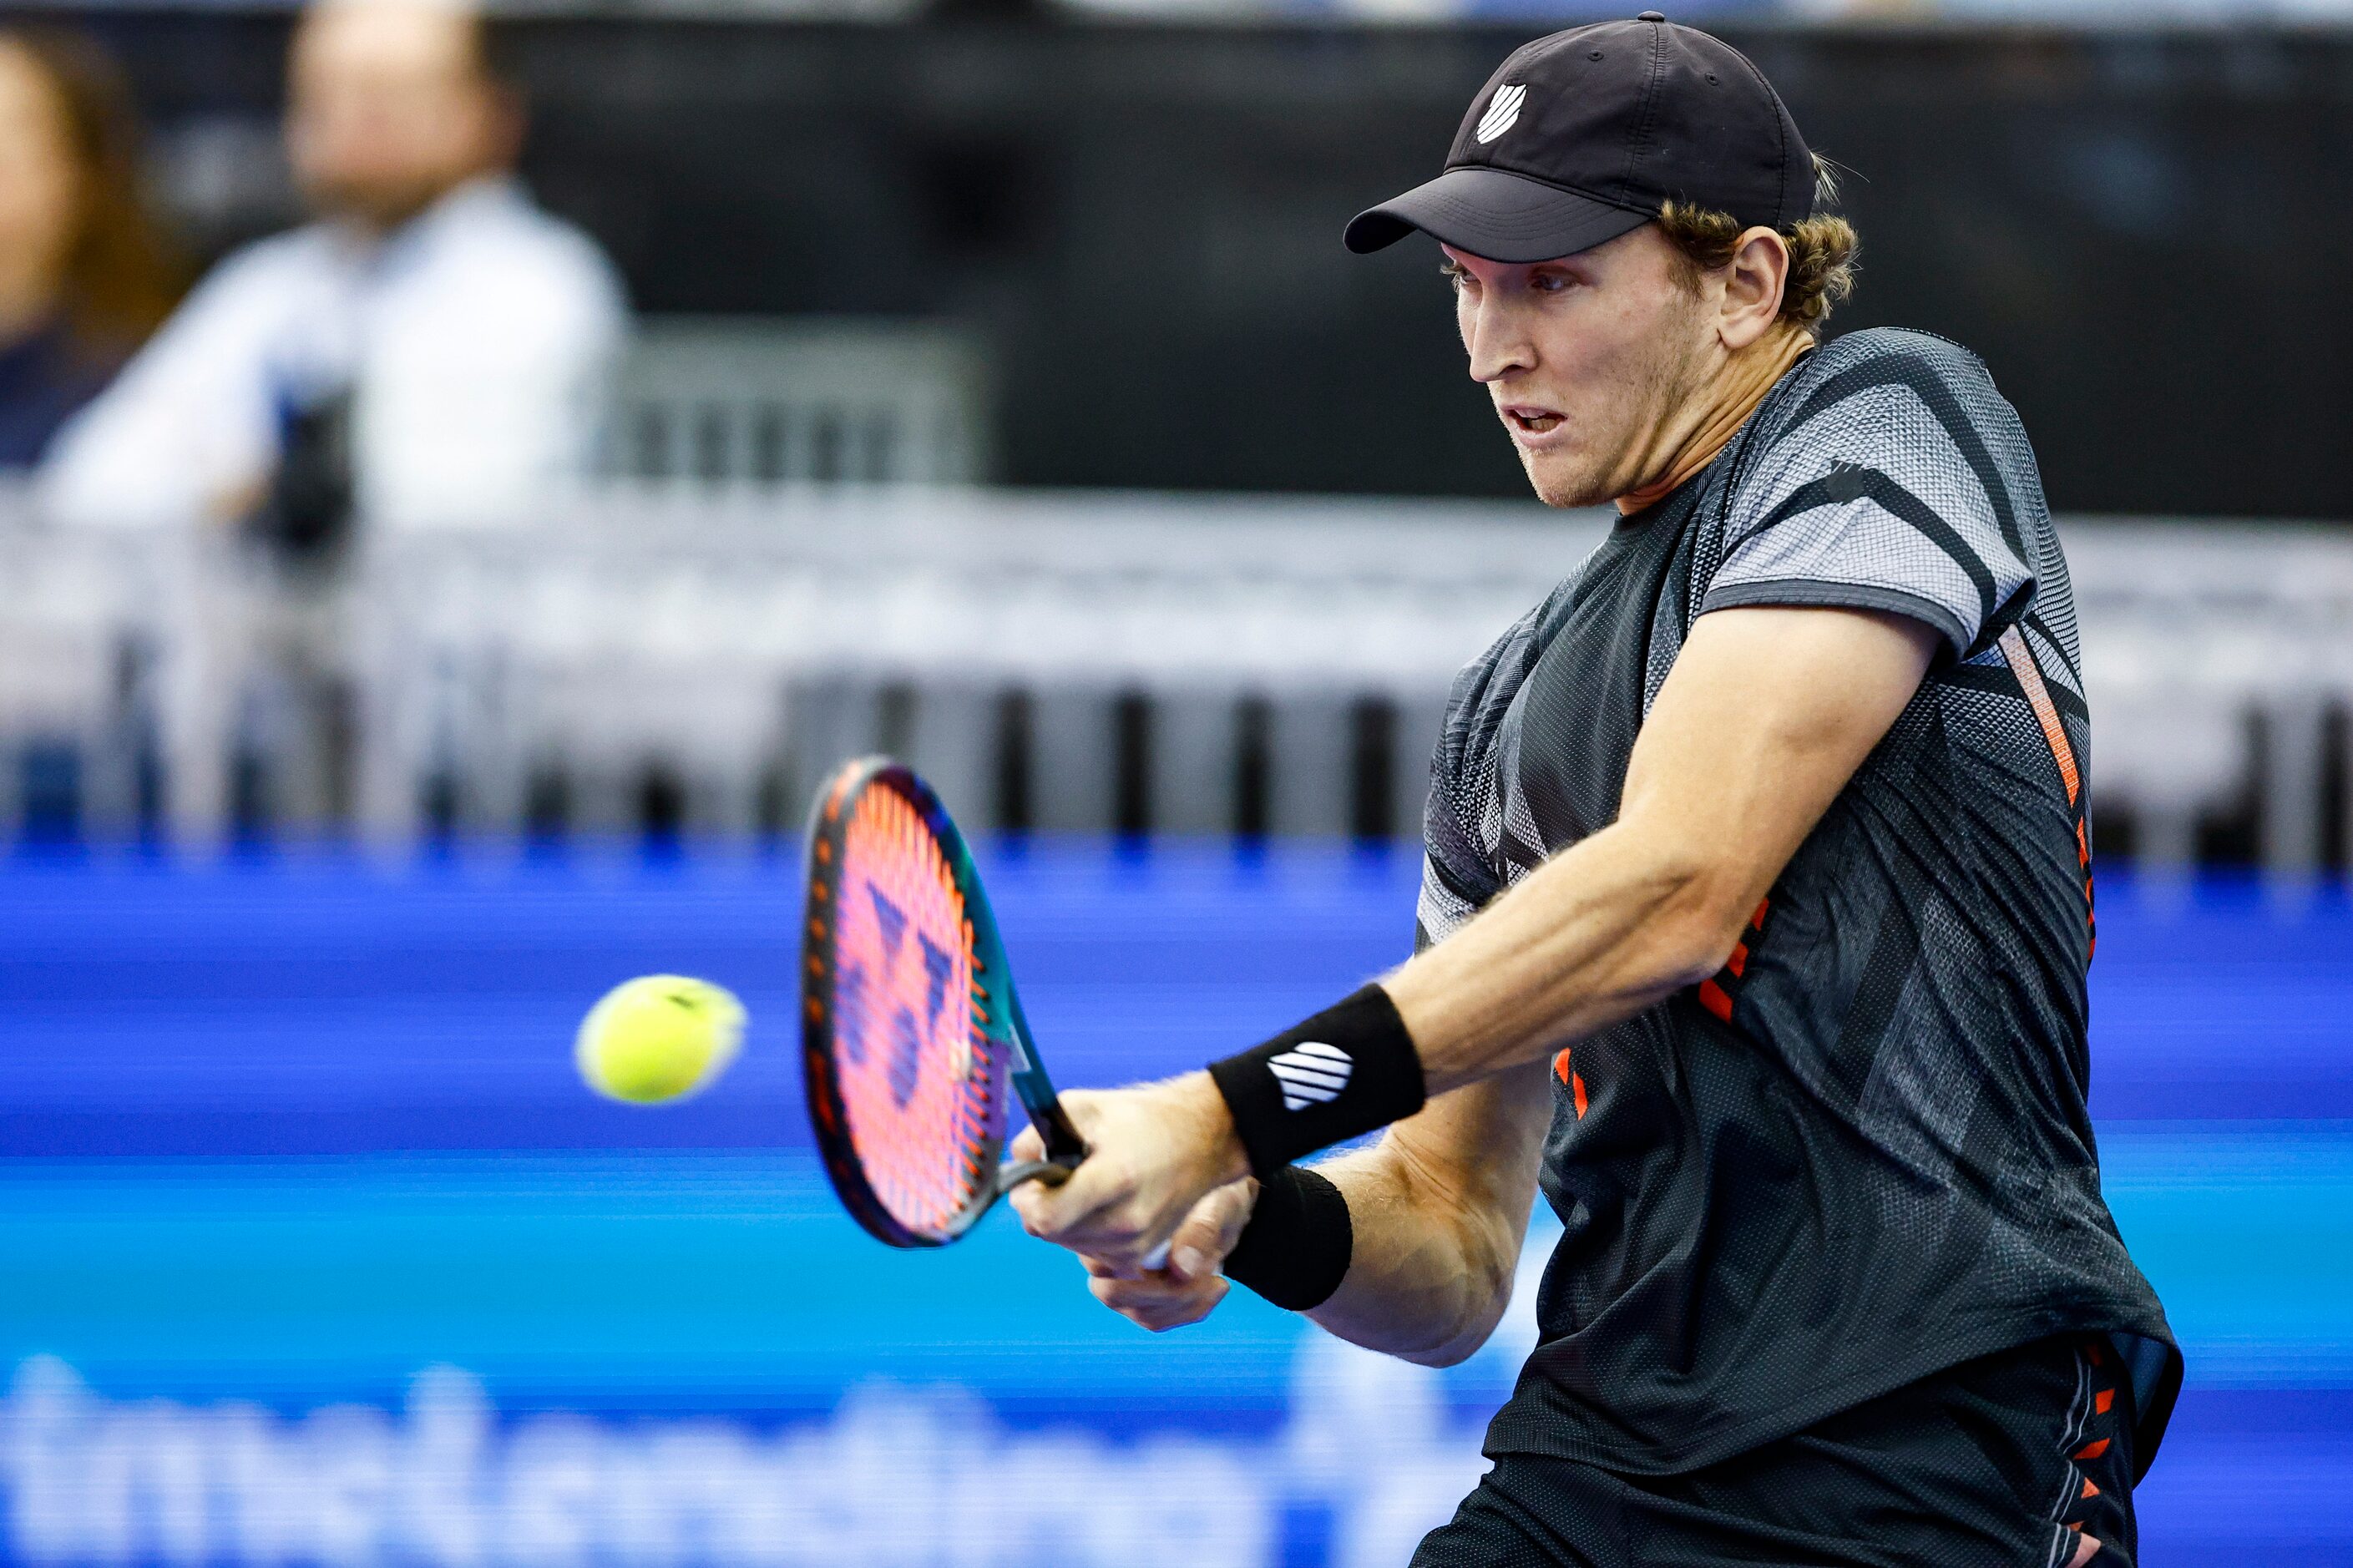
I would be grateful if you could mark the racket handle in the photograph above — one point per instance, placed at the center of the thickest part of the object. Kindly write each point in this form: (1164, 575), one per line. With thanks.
(1063, 1145)
(1053, 1173)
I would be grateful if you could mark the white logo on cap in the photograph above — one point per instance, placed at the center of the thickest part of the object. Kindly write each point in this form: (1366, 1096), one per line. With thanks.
(1502, 113)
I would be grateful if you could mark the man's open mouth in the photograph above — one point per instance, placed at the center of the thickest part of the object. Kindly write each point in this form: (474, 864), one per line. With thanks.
(1535, 421)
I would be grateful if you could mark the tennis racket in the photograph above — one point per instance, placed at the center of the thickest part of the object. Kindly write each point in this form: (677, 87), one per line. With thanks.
(914, 1045)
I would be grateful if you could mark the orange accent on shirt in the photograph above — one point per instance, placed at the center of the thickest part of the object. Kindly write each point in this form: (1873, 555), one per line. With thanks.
(2093, 1450)
(2089, 1489)
(1712, 997)
(1738, 961)
(1758, 919)
(2102, 1400)
(2046, 712)
(1564, 1071)
(2092, 1354)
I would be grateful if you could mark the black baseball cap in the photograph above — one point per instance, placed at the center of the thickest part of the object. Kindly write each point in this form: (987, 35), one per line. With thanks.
(1585, 135)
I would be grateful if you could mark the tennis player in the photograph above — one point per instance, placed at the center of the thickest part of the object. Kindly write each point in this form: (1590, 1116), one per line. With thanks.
(1754, 922)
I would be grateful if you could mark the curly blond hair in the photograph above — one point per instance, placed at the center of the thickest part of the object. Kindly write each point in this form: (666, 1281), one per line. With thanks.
(1821, 250)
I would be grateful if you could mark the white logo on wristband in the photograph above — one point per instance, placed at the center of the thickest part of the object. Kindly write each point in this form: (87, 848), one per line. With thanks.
(1312, 1073)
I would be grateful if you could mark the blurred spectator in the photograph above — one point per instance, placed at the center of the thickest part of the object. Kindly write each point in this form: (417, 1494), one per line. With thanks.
(83, 279)
(430, 350)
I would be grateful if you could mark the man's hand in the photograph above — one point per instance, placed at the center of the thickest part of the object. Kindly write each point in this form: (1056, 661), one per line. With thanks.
(1154, 1152)
(1190, 1289)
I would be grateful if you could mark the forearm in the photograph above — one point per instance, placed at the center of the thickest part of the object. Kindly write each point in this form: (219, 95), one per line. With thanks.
(1439, 1209)
(1440, 1206)
(1603, 930)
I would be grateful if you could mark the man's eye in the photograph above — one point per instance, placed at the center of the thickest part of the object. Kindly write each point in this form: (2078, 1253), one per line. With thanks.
(1549, 282)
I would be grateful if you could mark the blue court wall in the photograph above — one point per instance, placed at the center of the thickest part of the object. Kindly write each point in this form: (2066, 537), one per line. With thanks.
(312, 1248)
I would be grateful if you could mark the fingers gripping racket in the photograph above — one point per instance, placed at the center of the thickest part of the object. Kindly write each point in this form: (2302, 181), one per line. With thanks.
(912, 1040)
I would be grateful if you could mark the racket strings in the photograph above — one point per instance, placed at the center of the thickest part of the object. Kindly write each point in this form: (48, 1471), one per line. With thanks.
(920, 1080)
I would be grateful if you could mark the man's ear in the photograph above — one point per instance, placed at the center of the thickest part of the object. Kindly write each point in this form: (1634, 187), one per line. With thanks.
(1753, 282)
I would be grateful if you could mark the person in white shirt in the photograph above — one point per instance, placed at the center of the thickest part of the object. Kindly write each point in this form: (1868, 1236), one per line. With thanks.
(452, 338)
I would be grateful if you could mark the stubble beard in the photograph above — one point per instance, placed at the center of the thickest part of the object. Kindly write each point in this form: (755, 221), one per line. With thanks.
(1567, 482)
(1663, 376)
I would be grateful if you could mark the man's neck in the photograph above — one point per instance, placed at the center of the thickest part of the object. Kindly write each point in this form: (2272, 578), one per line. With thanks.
(28, 300)
(379, 224)
(1729, 401)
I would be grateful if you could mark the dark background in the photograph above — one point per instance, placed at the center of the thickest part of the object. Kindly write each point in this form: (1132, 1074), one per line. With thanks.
(2145, 233)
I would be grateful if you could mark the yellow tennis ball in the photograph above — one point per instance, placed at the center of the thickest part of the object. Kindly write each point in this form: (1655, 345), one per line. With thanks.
(658, 1037)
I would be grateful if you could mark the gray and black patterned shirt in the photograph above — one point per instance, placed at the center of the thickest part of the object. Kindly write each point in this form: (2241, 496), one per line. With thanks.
(1860, 1155)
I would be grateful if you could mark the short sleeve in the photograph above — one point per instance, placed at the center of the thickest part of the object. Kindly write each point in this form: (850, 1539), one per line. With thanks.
(1457, 877)
(1884, 487)
(1441, 911)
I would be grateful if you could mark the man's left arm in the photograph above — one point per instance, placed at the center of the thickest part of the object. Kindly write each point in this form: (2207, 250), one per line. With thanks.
(1765, 717)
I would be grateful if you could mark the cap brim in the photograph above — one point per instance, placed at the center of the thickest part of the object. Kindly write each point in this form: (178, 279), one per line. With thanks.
(1495, 213)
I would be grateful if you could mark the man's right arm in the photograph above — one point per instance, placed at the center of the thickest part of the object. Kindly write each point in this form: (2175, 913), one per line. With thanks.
(185, 433)
(1439, 1209)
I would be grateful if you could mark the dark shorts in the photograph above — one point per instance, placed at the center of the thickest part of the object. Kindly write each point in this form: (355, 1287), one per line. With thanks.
(1995, 1462)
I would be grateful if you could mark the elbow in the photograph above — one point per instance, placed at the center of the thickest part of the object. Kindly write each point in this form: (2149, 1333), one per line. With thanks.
(1702, 908)
(1486, 1294)
(1456, 1351)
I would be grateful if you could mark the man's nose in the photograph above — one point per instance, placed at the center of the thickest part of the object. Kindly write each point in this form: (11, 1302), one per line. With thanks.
(1498, 345)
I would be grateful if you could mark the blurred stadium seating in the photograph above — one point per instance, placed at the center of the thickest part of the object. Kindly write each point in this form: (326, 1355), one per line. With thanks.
(691, 654)
(715, 403)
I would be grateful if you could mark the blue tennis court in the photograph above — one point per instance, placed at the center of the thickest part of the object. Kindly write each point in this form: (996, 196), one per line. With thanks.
(312, 1250)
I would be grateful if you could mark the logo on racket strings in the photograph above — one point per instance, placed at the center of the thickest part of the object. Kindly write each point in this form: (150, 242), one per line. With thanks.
(1312, 1073)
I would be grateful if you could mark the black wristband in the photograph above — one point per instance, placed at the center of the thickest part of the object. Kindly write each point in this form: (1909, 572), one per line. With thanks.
(1346, 1071)
(1295, 1249)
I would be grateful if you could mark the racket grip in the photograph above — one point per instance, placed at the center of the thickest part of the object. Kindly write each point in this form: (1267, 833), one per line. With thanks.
(1063, 1145)
(1053, 1173)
